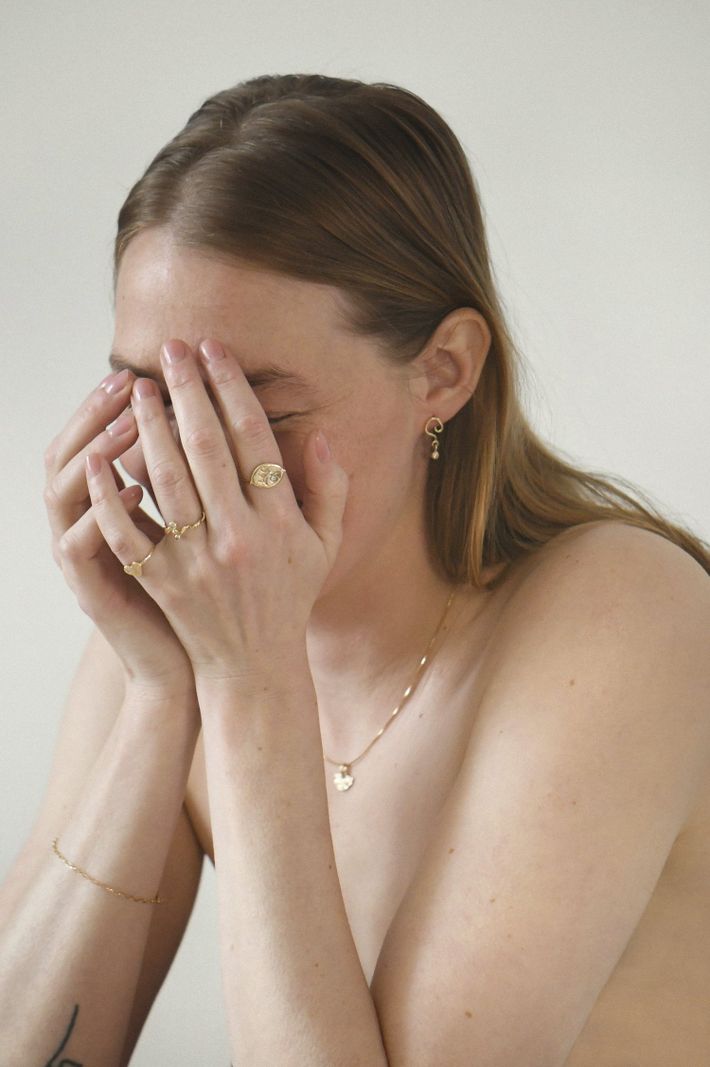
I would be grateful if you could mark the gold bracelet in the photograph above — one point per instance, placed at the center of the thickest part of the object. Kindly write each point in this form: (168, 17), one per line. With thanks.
(119, 892)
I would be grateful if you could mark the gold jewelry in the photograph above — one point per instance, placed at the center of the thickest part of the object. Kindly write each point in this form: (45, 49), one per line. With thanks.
(343, 779)
(136, 568)
(119, 892)
(176, 531)
(267, 475)
(437, 428)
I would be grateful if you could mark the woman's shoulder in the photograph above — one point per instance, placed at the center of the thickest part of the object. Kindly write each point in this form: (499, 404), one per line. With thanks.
(607, 611)
(594, 562)
(616, 615)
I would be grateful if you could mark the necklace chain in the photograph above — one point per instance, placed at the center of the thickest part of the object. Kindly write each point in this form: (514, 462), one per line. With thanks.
(343, 779)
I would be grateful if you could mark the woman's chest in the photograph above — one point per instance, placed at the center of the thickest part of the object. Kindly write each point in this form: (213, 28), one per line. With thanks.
(660, 987)
(381, 825)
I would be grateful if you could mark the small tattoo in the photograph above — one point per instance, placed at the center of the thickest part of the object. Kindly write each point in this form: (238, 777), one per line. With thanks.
(53, 1061)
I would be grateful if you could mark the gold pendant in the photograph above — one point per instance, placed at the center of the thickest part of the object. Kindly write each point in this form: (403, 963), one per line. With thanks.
(134, 569)
(342, 779)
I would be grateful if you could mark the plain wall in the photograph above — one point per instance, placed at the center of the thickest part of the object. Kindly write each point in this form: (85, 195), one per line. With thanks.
(586, 126)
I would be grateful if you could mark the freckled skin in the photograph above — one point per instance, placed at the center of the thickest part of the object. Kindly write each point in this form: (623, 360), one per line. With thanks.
(361, 404)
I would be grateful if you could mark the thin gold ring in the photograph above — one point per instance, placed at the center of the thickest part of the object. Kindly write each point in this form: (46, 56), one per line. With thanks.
(176, 531)
(135, 569)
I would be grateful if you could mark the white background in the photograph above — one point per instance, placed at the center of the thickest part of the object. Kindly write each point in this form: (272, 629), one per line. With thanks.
(586, 126)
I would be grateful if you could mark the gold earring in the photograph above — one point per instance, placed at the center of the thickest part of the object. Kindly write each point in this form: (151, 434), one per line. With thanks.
(432, 433)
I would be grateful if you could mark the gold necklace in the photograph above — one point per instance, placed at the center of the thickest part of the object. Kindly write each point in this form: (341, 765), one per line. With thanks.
(343, 779)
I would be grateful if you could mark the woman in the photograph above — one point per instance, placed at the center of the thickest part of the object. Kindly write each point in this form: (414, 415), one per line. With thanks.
(316, 386)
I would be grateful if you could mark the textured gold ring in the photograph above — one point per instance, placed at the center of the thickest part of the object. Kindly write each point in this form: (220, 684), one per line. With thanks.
(176, 531)
(267, 475)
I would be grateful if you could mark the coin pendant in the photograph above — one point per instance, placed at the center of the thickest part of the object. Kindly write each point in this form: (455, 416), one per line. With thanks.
(341, 779)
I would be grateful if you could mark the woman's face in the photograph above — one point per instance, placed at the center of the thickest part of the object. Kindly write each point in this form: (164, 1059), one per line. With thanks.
(363, 405)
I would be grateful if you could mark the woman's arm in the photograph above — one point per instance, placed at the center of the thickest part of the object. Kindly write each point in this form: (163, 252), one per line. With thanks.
(71, 952)
(295, 990)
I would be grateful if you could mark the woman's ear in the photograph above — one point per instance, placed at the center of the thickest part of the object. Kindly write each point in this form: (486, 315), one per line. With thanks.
(450, 365)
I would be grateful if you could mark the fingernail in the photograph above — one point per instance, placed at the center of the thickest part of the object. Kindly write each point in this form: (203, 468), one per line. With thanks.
(173, 352)
(93, 463)
(211, 350)
(121, 424)
(322, 447)
(115, 382)
(145, 388)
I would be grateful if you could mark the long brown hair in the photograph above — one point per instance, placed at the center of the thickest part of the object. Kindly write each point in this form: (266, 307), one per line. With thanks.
(366, 188)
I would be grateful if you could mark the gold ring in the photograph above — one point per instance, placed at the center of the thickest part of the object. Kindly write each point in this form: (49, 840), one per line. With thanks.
(267, 475)
(135, 569)
(176, 531)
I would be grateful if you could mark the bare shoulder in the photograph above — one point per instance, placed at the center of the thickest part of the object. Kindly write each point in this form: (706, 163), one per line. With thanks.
(619, 616)
(598, 567)
(589, 749)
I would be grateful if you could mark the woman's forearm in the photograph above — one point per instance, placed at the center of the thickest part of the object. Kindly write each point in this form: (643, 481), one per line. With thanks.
(296, 992)
(70, 951)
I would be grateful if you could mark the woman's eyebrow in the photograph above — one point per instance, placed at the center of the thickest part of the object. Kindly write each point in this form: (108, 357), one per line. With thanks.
(266, 375)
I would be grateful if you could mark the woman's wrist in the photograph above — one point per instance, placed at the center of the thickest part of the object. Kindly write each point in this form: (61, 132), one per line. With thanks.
(174, 701)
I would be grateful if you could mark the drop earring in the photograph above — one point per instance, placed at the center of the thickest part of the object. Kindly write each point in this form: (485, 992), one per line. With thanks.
(437, 428)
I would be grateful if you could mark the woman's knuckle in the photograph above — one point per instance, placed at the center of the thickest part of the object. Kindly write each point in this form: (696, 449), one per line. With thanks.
(120, 546)
(231, 549)
(50, 454)
(166, 475)
(252, 425)
(50, 495)
(67, 546)
(201, 441)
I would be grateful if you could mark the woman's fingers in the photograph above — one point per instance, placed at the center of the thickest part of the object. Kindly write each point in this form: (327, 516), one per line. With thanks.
(100, 407)
(116, 527)
(66, 494)
(201, 477)
(247, 425)
(76, 551)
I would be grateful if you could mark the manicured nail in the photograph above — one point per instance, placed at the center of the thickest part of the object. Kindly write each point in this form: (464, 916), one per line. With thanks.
(93, 463)
(115, 382)
(173, 352)
(120, 425)
(211, 351)
(145, 388)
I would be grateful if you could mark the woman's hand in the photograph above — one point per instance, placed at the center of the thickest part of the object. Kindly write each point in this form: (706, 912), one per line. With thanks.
(126, 615)
(239, 588)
